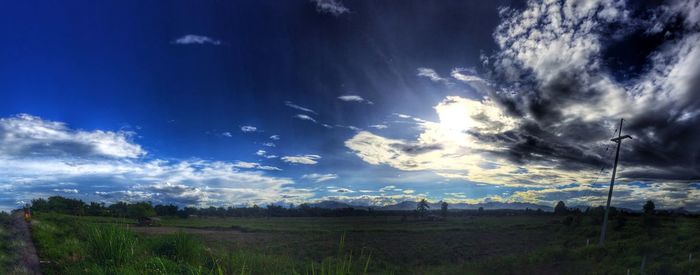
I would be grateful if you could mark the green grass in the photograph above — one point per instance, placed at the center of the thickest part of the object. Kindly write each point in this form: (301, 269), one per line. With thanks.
(355, 224)
(373, 245)
(79, 245)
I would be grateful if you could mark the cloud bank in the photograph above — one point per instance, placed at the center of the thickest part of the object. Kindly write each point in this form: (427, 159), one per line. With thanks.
(42, 157)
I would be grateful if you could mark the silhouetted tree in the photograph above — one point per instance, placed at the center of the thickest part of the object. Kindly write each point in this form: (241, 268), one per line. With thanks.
(480, 211)
(443, 209)
(649, 207)
(560, 208)
(649, 221)
(422, 207)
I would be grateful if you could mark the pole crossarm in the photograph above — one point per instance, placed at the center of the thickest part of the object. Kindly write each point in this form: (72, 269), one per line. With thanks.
(619, 139)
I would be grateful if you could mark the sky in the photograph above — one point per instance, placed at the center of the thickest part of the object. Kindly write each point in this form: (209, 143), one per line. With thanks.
(229, 103)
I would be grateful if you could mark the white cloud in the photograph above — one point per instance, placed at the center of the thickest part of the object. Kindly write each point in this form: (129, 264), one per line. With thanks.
(269, 144)
(302, 159)
(275, 137)
(319, 177)
(254, 165)
(305, 117)
(264, 153)
(334, 7)
(379, 126)
(298, 107)
(227, 134)
(193, 39)
(27, 136)
(249, 129)
(466, 75)
(70, 191)
(354, 98)
(354, 128)
(432, 75)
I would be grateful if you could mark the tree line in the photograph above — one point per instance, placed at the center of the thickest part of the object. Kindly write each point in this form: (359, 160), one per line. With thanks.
(59, 204)
(63, 205)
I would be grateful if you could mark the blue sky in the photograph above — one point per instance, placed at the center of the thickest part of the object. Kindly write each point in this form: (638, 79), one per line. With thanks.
(370, 102)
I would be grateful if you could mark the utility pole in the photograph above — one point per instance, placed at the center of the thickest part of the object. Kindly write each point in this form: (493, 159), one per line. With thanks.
(617, 140)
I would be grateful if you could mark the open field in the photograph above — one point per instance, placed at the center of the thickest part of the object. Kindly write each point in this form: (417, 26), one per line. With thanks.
(357, 245)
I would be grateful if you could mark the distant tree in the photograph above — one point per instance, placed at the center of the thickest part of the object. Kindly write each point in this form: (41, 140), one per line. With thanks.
(560, 208)
(140, 210)
(422, 207)
(118, 209)
(443, 209)
(166, 210)
(649, 207)
(480, 211)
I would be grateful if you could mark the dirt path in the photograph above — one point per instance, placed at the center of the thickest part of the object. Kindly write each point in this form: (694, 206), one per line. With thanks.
(26, 253)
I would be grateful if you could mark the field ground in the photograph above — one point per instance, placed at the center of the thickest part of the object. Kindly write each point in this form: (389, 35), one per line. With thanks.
(357, 245)
(17, 253)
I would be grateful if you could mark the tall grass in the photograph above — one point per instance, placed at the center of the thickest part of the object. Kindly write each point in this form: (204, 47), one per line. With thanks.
(111, 245)
(178, 247)
(100, 248)
(342, 263)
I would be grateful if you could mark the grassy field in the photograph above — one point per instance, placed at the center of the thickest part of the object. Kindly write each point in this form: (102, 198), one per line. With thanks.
(359, 245)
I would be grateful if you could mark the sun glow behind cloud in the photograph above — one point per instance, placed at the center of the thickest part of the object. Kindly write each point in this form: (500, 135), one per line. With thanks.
(449, 148)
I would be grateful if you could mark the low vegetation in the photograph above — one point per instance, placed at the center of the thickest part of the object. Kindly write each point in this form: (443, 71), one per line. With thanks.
(71, 245)
(477, 242)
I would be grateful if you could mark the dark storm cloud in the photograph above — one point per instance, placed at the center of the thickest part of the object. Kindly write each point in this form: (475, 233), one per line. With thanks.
(572, 78)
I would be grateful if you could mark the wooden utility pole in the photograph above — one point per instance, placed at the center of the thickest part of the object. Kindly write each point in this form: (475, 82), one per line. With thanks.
(617, 140)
